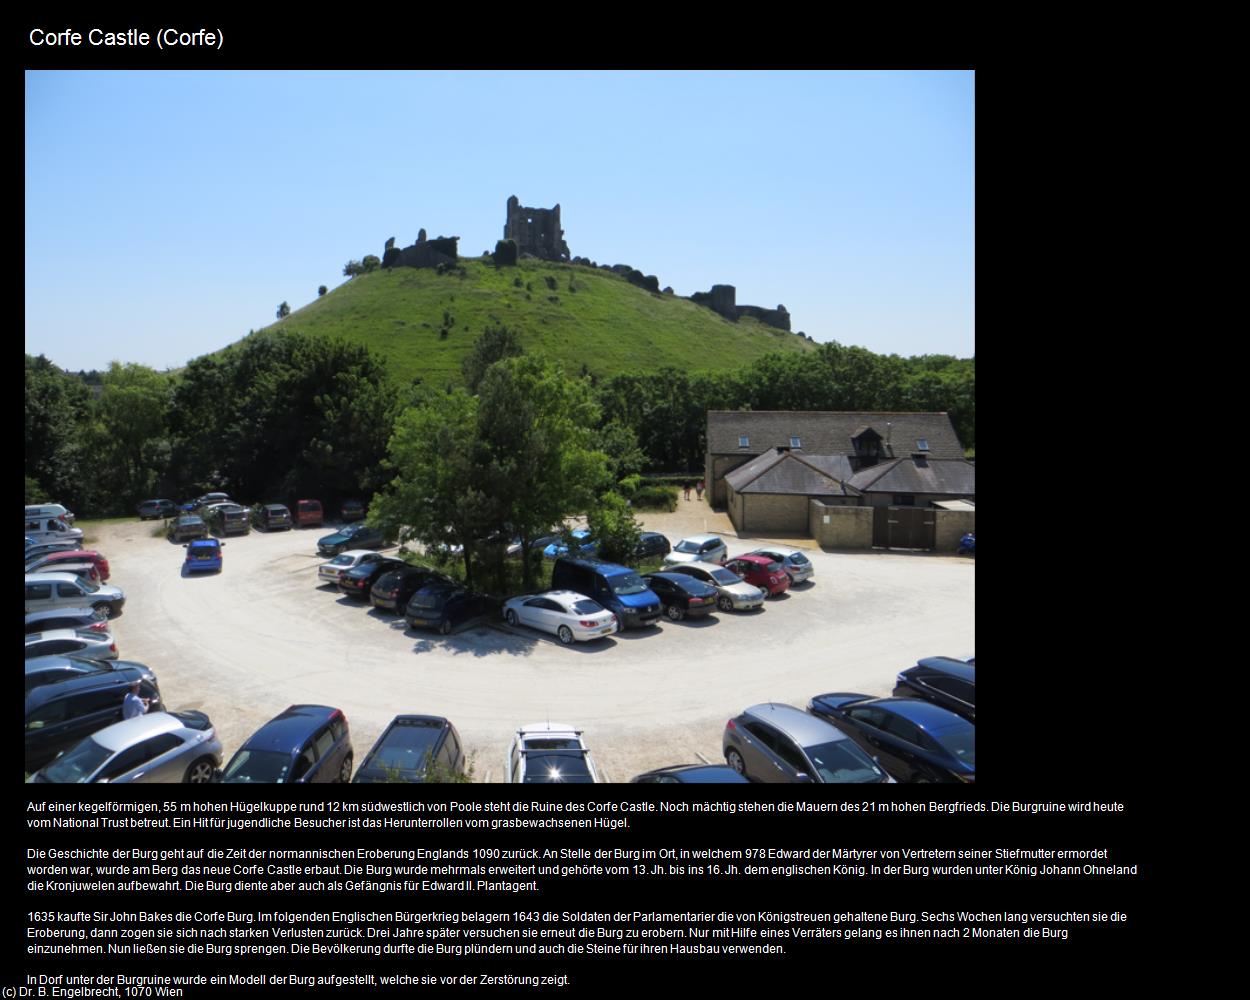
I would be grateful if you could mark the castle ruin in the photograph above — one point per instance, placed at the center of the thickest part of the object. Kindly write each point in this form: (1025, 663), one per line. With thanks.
(536, 231)
(423, 253)
(721, 299)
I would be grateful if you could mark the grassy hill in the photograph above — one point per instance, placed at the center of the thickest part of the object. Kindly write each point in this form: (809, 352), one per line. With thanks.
(591, 317)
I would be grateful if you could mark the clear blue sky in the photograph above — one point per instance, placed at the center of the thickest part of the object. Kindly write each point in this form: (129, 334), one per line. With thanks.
(167, 213)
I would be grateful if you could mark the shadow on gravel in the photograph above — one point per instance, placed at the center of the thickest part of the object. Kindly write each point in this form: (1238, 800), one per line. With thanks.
(705, 621)
(479, 641)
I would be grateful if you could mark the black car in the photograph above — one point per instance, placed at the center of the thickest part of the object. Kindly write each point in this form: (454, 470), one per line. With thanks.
(188, 526)
(393, 589)
(414, 748)
(351, 510)
(443, 606)
(271, 517)
(359, 580)
(682, 596)
(913, 740)
(944, 681)
(47, 621)
(306, 744)
(652, 543)
(68, 699)
(691, 774)
(356, 536)
(156, 509)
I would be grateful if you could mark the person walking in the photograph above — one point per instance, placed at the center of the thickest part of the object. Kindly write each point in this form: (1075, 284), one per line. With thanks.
(686, 490)
(699, 488)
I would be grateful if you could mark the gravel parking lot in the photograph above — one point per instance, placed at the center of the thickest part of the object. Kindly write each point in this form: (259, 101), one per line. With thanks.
(262, 635)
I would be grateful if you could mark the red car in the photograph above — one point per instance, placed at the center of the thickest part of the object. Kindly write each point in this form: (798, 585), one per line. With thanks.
(760, 571)
(308, 513)
(48, 563)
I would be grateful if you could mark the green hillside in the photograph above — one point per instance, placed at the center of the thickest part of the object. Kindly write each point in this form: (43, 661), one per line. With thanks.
(592, 317)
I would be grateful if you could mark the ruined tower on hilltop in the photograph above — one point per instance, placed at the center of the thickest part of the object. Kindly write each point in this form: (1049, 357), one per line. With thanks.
(536, 231)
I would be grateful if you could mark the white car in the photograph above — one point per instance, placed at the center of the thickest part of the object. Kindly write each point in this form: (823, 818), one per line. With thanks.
(796, 564)
(340, 564)
(733, 592)
(570, 616)
(87, 643)
(548, 752)
(698, 548)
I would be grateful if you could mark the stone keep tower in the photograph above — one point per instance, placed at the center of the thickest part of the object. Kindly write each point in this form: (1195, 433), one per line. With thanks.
(536, 231)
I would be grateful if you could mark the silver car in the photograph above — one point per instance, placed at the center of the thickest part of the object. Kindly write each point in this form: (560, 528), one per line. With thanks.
(156, 747)
(732, 592)
(85, 643)
(549, 752)
(780, 743)
(795, 563)
(698, 548)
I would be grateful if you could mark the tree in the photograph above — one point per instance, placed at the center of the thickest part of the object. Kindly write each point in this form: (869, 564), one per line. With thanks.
(613, 525)
(284, 311)
(371, 262)
(353, 268)
(133, 410)
(495, 344)
(321, 290)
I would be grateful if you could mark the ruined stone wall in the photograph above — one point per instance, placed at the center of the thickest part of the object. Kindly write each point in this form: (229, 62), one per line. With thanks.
(721, 299)
(536, 231)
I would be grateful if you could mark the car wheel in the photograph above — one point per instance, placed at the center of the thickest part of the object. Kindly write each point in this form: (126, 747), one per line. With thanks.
(674, 612)
(345, 772)
(201, 772)
(734, 760)
(510, 617)
(724, 603)
(566, 635)
(445, 627)
(102, 609)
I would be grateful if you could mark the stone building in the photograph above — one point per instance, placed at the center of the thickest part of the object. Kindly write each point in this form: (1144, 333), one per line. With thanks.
(536, 231)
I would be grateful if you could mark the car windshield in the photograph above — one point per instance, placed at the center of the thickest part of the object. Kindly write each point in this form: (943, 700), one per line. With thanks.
(629, 583)
(843, 762)
(726, 577)
(774, 567)
(434, 599)
(959, 742)
(78, 764)
(543, 767)
(342, 560)
(88, 585)
(407, 749)
(261, 766)
(586, 608)
(798, 558)
(686, 545)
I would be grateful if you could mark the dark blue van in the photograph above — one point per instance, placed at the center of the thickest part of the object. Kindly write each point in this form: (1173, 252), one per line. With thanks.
(618, 588)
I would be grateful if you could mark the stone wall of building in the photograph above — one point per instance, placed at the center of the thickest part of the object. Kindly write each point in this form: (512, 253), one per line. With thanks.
(722, 300)
(536, 231)
(838, 527)
(764, 512)
(950, 528)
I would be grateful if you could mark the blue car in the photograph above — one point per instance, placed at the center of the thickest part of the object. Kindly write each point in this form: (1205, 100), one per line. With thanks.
(585, 545)
(306, 744)
(203, 554)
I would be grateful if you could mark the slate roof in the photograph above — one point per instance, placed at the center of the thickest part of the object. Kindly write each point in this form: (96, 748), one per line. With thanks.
(826, 432)
(905, 475)
(795, 473)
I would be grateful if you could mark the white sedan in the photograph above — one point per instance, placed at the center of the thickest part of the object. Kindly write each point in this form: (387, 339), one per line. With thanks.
(570, 616)
(340, 564)
(547, 752)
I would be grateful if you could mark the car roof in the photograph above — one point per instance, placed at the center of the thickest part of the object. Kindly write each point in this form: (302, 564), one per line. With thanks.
(549, 729)
(128, 732)
(48, 692)
(38, 616)
(947, 665)
(57, 633)
(755, 559)
(695, 564)
(602, 565)
(355, 553)
(288, 730)
(924, 714)
(804, 729)
(568, 595)
(50, 577)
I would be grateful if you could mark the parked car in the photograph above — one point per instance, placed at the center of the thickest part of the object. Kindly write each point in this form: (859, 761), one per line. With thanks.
(780, 743)
(691, 774)
(230, 519)
(86, 697)
(44, 548)
(82, 570)
(761, 571)
(38, 510)
(570, 616)
(308, 513)
(698, 548)
(203, 554)
(618, 588)
(306, 744)
(414, 748)
(188, 526)
(732, 592)
(153, 509)
(355, 536)
(271, 517)
(51, 591)
(208, 499)
(359, 580)
(155, 747)
(351, 510)
(75, 618)
(651, 544)
(793, 561)
(914, 740)
(682, 595)
(86, 643)
(47, 529)
(581, 537)
(332, 571)
(547, 752)
(50, 562)
(393, 589)
(444, 606)
(943, 680)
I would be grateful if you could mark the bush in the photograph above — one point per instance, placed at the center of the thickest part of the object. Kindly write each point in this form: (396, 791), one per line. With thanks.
(655, 498)
(551, 282)
(628, 486)
(321, 290)
(506, 254)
